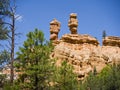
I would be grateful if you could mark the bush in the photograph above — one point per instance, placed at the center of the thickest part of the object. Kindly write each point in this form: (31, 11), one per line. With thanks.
(108, 79)
(2, 79)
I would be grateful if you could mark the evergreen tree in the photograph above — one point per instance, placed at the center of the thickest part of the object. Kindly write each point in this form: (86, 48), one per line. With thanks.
(2, 80)
(104, 34)
(91, 82)
(7, 20)
(35, 63)
(4, 4)
(4, 57)
(3, 32)
(4, 8)
(64, 78)
(108, 79)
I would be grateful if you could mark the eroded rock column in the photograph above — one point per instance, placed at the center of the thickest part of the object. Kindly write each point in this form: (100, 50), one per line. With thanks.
(73, 23)
(54, 29)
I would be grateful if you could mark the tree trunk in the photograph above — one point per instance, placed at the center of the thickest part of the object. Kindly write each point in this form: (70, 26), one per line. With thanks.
(12, 49)
(36, 82)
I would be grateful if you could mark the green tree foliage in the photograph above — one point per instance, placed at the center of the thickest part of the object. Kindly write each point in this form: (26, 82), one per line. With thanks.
(2, 80)
(108, 79)
(4, 7)
(3, 32)
(4, 59)
(7, 20)
(4, 56)
(91, 82)
(104, 34)
(64, 78)
(4, 11)
(35, 63)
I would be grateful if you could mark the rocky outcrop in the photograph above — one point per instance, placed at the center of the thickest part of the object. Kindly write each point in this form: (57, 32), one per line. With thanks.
(80, 51)
(84, 51)
(111, 41)
(54, 29)
(85, 57)
(79, 39)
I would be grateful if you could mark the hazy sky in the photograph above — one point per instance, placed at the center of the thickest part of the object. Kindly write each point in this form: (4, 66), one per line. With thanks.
(94, 16)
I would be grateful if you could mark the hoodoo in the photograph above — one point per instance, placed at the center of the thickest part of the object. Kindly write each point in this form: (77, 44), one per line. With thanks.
(82, 50)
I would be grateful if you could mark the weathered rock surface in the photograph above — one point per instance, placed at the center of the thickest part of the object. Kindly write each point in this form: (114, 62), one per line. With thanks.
(54, 29)
(85, 53)
(111, 41)
(73, 23)
(79, 39)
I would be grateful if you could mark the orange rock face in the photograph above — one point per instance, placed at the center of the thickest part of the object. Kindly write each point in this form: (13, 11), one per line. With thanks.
(79, 39)
(111, 41)
(85, 56)
(84, 51)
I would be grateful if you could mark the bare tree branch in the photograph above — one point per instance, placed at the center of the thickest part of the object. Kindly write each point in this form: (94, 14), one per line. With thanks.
(6, 23)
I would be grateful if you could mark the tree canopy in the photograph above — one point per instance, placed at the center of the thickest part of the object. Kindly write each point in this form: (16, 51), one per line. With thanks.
(35, 63)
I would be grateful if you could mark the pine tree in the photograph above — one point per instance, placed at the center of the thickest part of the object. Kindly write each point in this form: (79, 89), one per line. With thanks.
(104, 34)
(64, 78)
(35, 63)
(4, 57)
(3, 13)
(3, 33)
(108, 79)
(7, 20)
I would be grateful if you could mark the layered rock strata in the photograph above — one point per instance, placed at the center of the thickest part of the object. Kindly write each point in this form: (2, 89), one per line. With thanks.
(79, 39)
(73, 23)
(83, 51)
(111, 41)
(85, 56)
(54, 29)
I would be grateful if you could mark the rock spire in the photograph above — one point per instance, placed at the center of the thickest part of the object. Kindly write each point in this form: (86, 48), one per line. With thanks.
(73, 23)
(54, 29)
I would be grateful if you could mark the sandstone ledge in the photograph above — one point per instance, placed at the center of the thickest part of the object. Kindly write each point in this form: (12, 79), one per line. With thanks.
(79, 39)
(111, 41)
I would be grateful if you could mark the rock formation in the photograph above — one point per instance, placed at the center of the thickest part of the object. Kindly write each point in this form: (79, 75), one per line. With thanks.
(111, 41)
(84, 51)
(79, 39)
(73, 23)
(54, 29)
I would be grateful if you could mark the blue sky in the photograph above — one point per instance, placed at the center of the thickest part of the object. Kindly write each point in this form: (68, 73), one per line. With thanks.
(94, 16)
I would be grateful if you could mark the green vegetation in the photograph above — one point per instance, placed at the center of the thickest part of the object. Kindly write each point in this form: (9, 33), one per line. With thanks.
(2, 80)
(7, 29)
(108, 79)
(3, 13)
(35, 62)
(3, 32)
(39, 72)
(64, 77)
(104, 34)
(4, 56)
